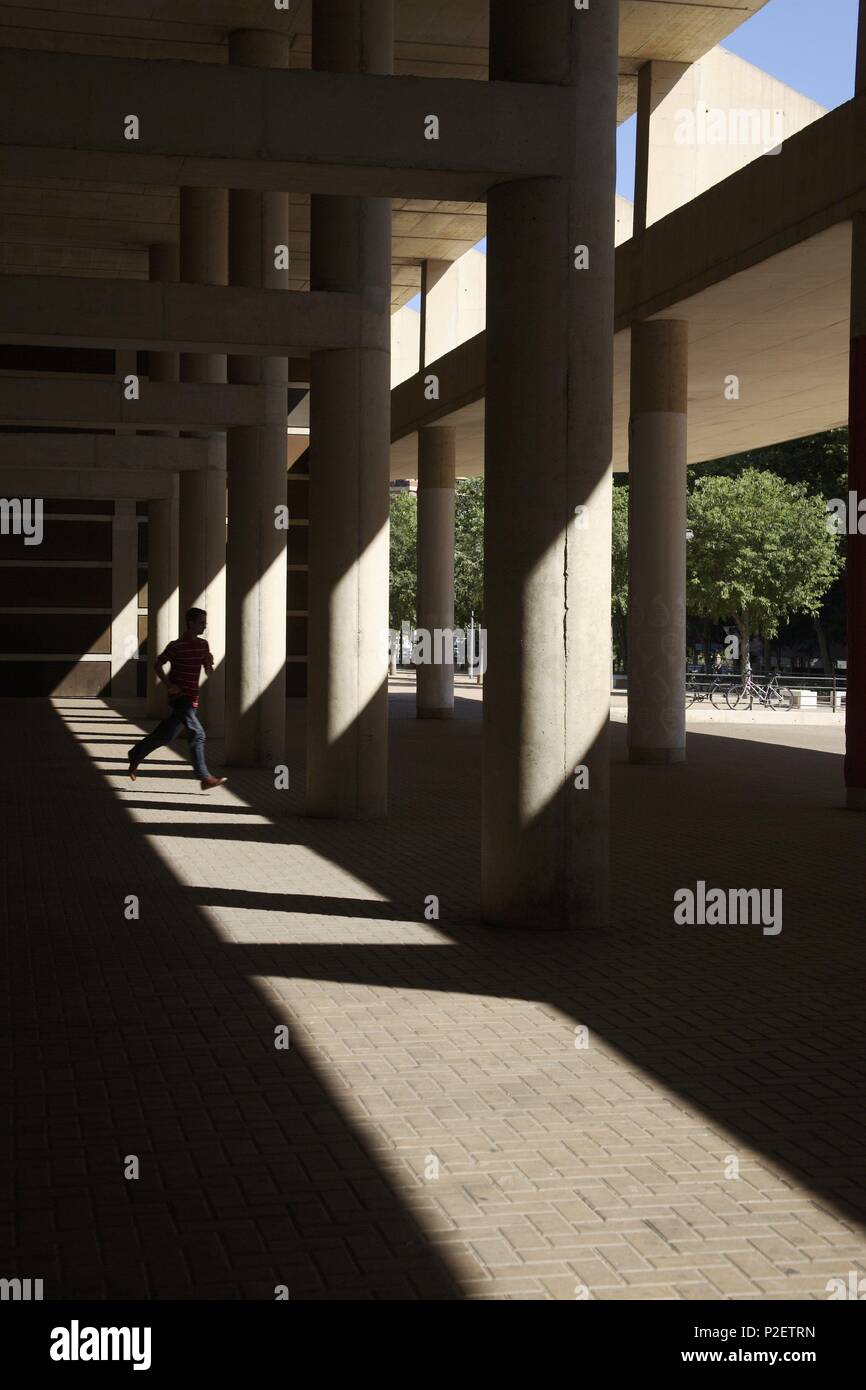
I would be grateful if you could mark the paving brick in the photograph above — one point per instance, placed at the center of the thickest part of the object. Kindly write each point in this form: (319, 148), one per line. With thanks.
(558, 1166)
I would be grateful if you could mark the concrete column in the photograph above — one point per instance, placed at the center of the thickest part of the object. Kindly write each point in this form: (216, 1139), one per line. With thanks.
(437, 454)
(257, 467)
(548, 489)
(655, 81)
(162, 514)
(430, 337)
(657, 542)
(162, 614)
(162, 259)
(204, 251)
(202, 501)
(350, 408)
(124, 599)
(855, 699)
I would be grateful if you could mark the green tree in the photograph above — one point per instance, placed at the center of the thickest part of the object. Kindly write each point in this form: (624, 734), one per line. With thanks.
(820, 462)
(402, 596)
(469, 551)
(761, 550)
(619, 571)
(468, 555)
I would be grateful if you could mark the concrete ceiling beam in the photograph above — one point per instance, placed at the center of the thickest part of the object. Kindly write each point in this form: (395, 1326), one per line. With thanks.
(46, 401)
(134, 453)
(161, 317)
(239, 127)
(101, 483)
(816, 181)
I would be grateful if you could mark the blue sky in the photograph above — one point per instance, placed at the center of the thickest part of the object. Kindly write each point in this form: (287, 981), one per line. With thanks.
(809, 44)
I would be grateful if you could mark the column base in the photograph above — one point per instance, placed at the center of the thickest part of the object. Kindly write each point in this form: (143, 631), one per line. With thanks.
(657, 756)
(855, 798)
(434, 713)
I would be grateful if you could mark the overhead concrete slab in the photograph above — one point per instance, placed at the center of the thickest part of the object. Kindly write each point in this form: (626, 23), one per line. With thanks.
(781, 328)
(93, 227)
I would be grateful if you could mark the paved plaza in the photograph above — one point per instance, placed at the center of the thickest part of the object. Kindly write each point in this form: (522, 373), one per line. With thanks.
(462, 1112)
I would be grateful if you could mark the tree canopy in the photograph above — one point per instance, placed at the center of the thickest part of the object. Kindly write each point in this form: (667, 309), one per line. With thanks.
(469, 551)
(760, 551)
(619, 572)
(619, 559)
(402, 597)
(468, 555)
(818, 461)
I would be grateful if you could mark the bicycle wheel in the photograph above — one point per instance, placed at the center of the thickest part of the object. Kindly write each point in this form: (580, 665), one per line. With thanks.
(734, 695)
(718, 696)
(691, 696)
(786, 698)
(772, 697)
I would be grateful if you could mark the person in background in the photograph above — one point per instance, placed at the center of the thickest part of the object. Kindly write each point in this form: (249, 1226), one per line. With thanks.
(186, 656)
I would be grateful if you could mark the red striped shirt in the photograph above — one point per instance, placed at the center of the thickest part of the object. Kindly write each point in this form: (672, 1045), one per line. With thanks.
(186, 656)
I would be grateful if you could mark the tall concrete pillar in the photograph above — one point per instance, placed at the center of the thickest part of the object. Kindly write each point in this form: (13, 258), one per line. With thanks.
(257, 468)
(855, 700)
(202, 500)
(550, 278)
(162, 515)
(162, 613)
(437, 455)
(162, 260)
(124, 599)
(657, 542)
(431, 335)
(657, 162)
(347, 704)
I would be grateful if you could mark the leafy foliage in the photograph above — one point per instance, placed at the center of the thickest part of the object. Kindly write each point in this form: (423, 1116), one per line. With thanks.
(402, 597)
(819, 461)
(469, 551)
(619, 575)
(761, 550)
(468, 555)
(619, 571)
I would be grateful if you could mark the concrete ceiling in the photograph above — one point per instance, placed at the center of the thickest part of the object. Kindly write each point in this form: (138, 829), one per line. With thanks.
(445, 39)
(781, 327)
(65, 227)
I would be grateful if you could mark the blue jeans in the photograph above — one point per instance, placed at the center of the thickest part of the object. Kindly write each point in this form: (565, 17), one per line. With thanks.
(182, 716)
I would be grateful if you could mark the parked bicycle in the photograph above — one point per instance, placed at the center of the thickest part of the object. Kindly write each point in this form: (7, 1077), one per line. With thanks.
(697, 691)
(748, 691)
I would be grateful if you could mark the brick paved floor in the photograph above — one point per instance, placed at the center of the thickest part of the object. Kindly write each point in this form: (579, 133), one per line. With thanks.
(414, 1043)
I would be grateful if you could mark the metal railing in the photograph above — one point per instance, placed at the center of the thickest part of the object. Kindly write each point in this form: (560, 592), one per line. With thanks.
(829, 691)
